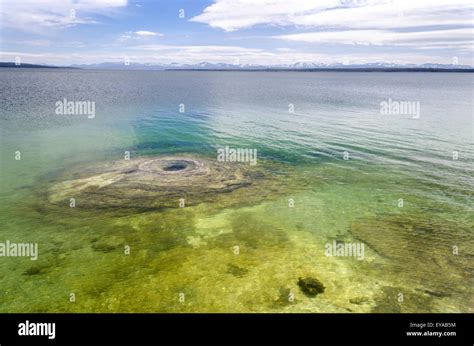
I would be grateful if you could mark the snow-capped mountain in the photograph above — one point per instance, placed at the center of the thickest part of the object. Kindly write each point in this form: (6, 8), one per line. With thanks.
(294, 66)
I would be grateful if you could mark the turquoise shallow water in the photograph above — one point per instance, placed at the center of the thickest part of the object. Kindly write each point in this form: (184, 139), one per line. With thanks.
(184, 259)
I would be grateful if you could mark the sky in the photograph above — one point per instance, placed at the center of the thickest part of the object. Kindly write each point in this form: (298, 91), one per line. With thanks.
(258, 32)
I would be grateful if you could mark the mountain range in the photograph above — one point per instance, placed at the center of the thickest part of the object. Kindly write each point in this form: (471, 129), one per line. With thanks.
(299, 66)
(295, 66)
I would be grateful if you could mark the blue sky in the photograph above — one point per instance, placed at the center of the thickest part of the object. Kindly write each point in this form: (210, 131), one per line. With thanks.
(269, 32)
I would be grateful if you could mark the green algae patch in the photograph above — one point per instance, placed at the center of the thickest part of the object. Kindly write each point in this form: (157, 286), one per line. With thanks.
(424, 253)
(240, 249)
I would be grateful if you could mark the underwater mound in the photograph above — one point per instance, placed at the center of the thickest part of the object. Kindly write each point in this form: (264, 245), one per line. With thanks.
(151, 182)
(433, 253)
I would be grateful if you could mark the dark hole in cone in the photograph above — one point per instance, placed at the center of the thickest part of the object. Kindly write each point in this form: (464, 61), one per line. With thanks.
(175, 166)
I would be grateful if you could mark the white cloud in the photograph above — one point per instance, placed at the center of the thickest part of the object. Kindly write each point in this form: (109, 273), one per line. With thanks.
(147, 33)
(231, 15)
(205, 53)
(418, 24)
(199, 49)
(137, 35)
(460, 38)
(394, 14)
(37, 15)
(165, 54)
(38, 43)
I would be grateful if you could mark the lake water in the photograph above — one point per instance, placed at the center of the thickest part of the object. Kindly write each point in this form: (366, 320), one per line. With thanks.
(342, 172)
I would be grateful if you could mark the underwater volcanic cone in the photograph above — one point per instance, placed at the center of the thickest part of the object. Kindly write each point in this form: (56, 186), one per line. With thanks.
(150, 182)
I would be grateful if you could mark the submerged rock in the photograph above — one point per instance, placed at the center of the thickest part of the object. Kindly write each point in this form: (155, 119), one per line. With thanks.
(437, 294)
(311, 286)
(108, 244)
(420, 246)
(359, 300)
(34, 270)
(236, 270)
(150, 183)
(419, 249)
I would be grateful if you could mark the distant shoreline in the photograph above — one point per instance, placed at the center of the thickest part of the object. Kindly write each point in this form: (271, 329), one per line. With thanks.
(417, 69)
(330, 69)
(12, 65)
